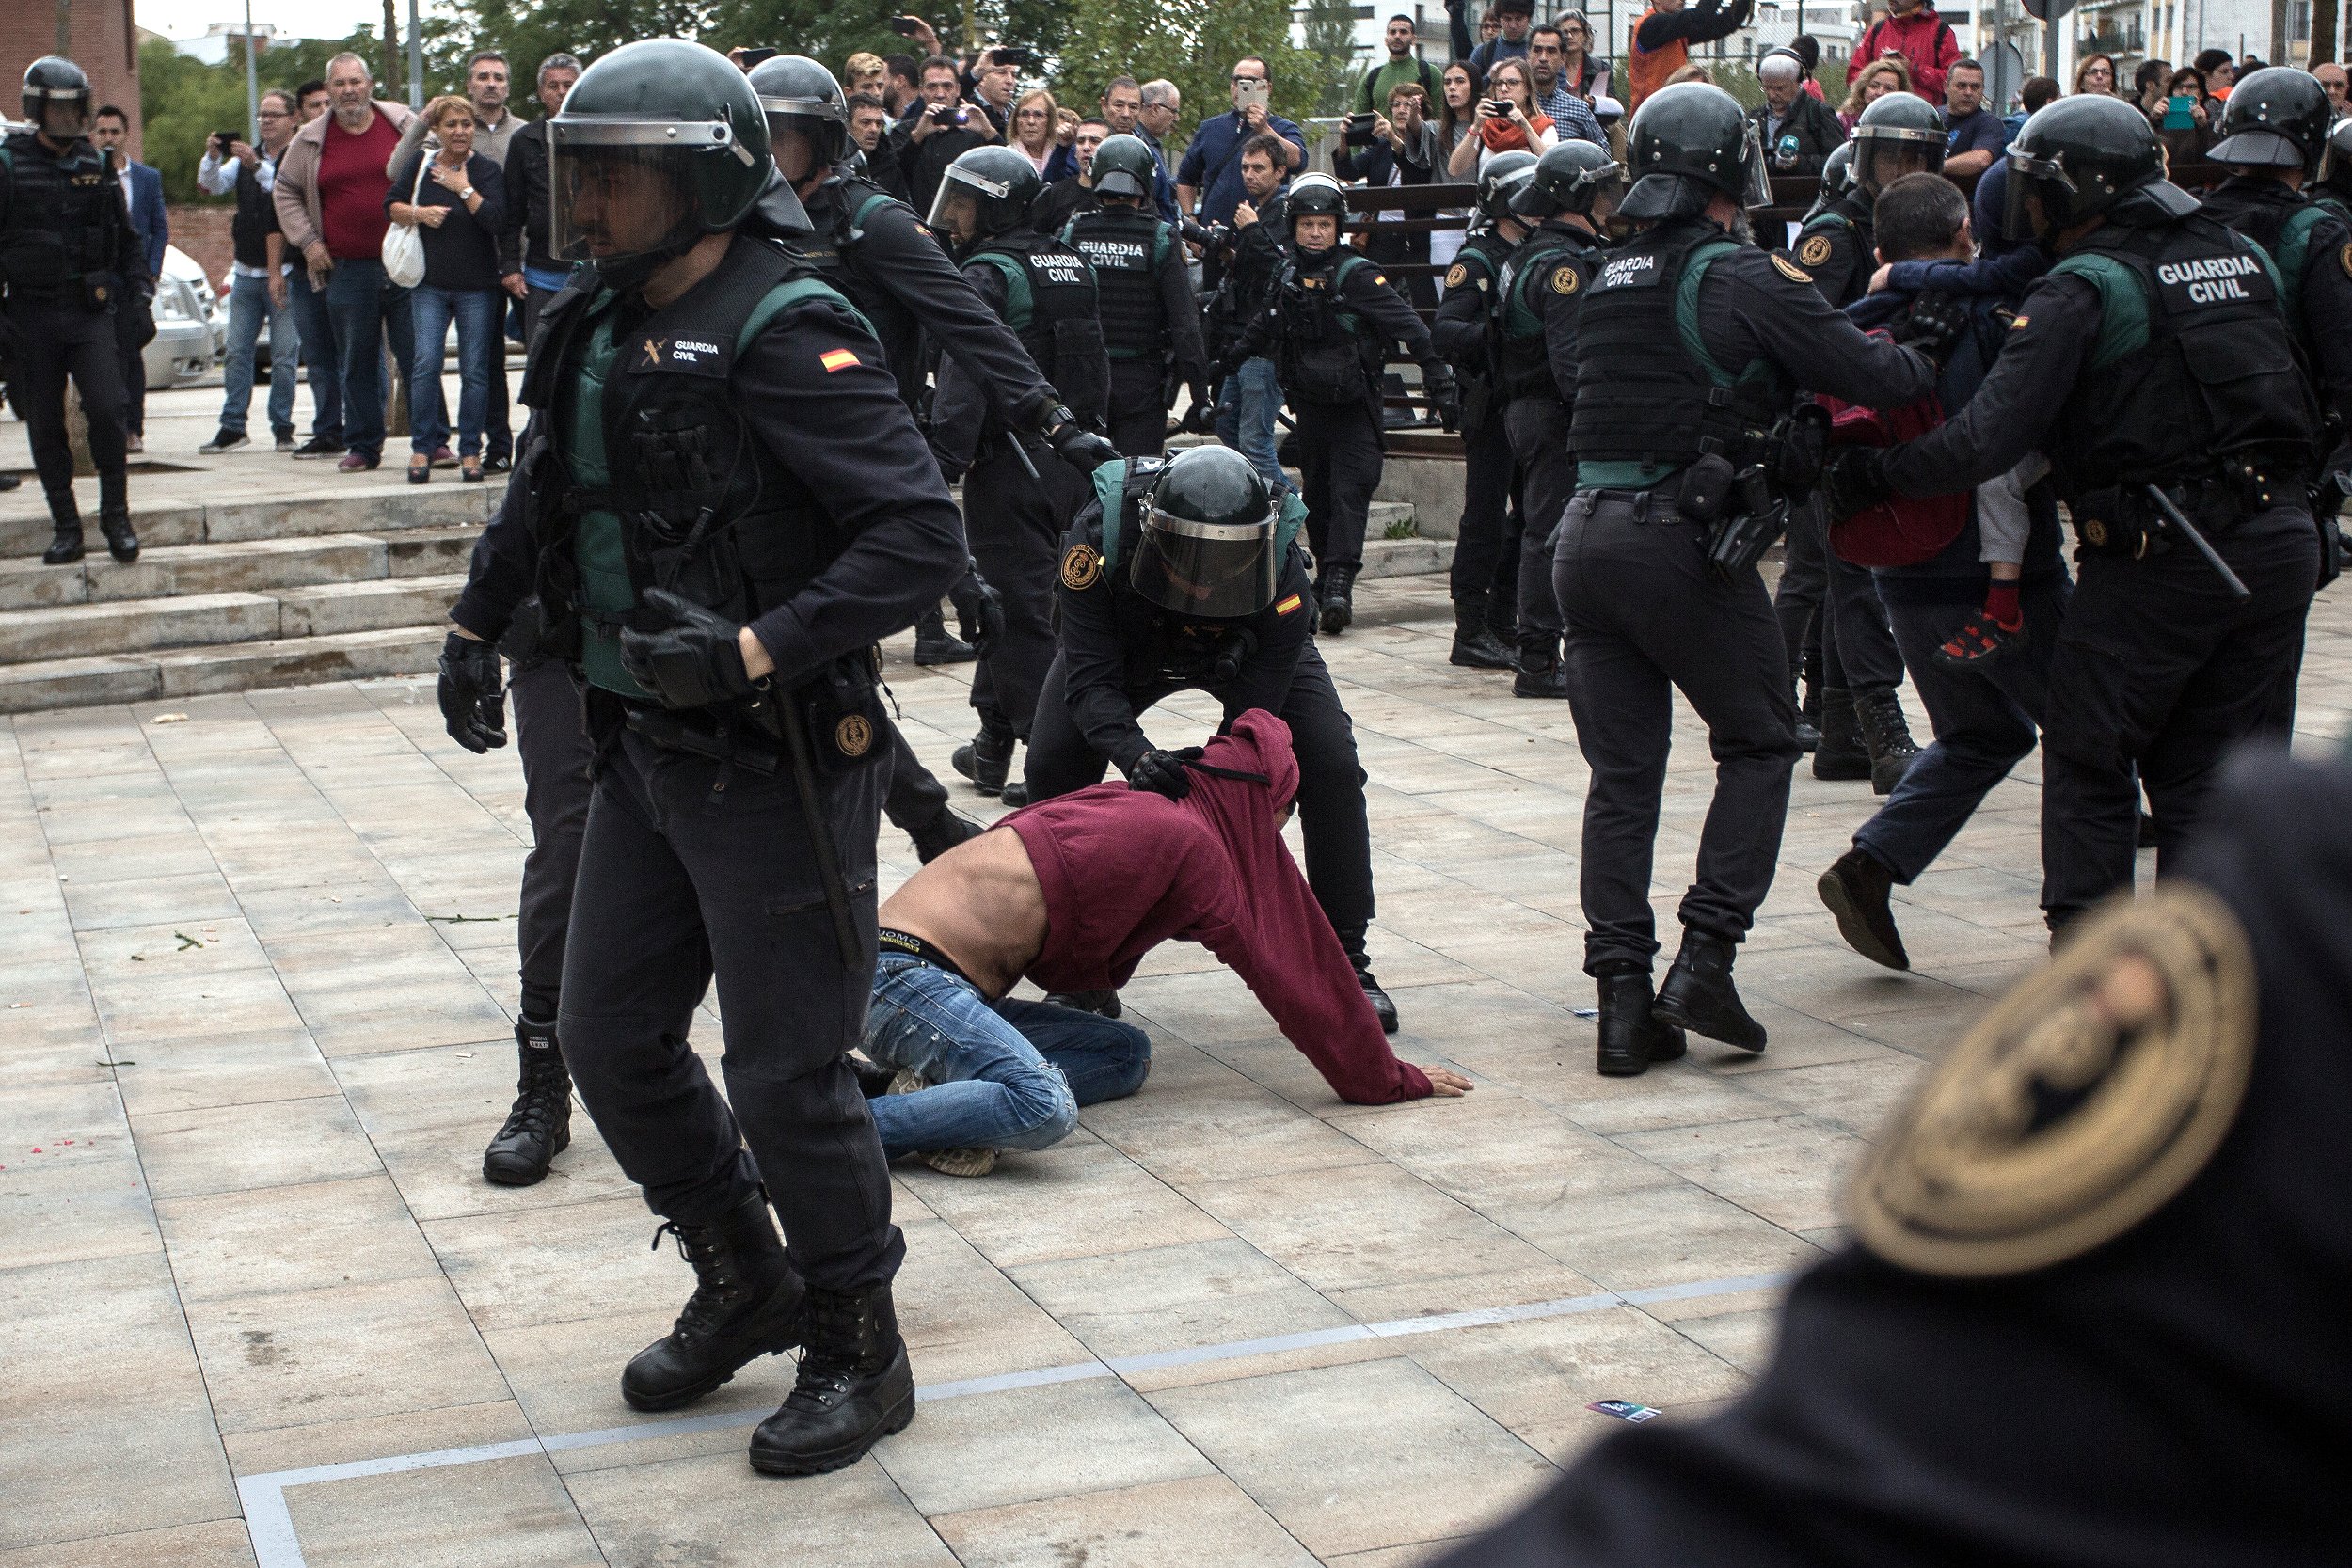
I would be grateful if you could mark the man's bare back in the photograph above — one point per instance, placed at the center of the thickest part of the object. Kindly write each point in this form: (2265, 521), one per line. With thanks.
(980, 904)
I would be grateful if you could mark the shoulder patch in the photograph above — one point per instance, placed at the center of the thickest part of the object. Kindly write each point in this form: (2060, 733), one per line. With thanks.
(1814, 251)
(2344, 258)
(1379, 277)
(1288, 605)
(2084, 1102)
(853, 736)
(2018, 325)
(1790, 270)
(1566, 280)
(1081, 568)
(838, 360)
(1459, 274)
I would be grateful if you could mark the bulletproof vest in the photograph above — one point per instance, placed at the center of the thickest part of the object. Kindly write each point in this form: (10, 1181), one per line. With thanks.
(1052, 305)
(64, 214)
(1480, 262)
(1125, 245)
(1535, 266)
(1648, 389)
(248, 232)
(2277, 219)
(643, 472)
(2193, 365)
(839, 210)
(1322, 355)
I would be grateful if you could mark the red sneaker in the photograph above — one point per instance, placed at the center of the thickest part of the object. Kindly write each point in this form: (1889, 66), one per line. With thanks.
(1979, 640)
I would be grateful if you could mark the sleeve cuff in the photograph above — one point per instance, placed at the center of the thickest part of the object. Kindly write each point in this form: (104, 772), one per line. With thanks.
(786, 640)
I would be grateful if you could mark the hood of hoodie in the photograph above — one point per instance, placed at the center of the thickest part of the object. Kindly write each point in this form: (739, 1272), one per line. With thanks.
(1243, 810)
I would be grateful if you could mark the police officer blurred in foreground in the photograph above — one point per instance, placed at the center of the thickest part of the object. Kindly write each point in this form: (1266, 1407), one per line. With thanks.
(2333, 188)
(1186, 575)
(1328, 326)
(70, 264)
(2154, 353)
(2020, 1362)
(722, 503)
(1021, 487)
(1691, 346)
(1151, 316)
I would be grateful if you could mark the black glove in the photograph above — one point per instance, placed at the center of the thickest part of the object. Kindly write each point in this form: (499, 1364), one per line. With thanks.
(979, 611)
(1855, 480)
(1445, 394)
(474, 697)
(1077, 446)
(693, 662)
(1164, 772)
(1933, 326)
(1200, 417)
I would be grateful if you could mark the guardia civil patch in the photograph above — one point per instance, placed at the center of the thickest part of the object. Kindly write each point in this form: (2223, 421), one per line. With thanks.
(1790, 270)
(1458, 273)
(1814, 251)
(2085, 1101)
(853, 736)
(1566, 280)
(1081, 568)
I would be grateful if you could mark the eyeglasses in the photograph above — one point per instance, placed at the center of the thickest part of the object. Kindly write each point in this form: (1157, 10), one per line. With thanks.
(276, 114)
(1241, 80)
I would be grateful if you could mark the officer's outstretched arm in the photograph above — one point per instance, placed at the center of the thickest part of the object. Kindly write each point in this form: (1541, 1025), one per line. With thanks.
(1093, 661)
(2016, 407)
(1369, 291)
(1815, 345)
(960, 401)
(505, 566)
(901, 256)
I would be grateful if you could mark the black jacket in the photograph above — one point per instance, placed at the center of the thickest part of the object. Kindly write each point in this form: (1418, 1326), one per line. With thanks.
(1814, 128)
(523, 241)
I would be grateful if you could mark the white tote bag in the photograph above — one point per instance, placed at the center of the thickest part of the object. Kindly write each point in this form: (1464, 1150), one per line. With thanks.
(403, 242)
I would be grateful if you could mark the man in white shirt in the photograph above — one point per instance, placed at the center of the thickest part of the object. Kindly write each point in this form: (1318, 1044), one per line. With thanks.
(257, 286)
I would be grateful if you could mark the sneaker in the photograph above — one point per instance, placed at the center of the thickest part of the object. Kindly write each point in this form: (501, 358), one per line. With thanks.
(947, 1162)
(317, 447)
(284, 440)
(498, 464)
(444, 458)
(225, 440)
(357, 463)
(1981, 639)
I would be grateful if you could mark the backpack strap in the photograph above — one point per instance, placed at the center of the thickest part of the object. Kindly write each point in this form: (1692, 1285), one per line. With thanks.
(1020, 305)
(792, 292)
(2122, 305)
(2295, 250)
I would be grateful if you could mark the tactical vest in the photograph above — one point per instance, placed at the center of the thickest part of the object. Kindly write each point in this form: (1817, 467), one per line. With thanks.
(1053, 306)
(64, 217)
(1126, 248)
(2193, 364)
(2281, 224)
(643, 471)
(1323, 355)
(1479, 266)
(840, 212)
(1535, 266)
(1650, 398)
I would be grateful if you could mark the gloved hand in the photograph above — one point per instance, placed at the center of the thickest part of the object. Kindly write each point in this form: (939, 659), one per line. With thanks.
(1855, 480)
(1200, 417)
(693, 662)
(1077, 446)
(1933, 326)
(474, 697)
(1445, 394)
(1164, 772)
(979, 609)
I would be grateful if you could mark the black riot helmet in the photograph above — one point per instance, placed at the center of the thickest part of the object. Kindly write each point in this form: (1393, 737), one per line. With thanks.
(801, 98)
(1898, 134)
(1836, 179)
(1689, 142)
(2075, 159)
(2276, 118)
(1207, 545)
(52, 79)
(1505, 175)
(1124, 166)
(2337, 175)
(1569, 178)
(1312, 195)
(660, 142)
(984, 192)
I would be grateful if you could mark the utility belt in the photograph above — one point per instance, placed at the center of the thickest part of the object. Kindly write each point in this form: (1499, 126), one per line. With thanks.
(1743, 511)
(839, 710)
(96, 291)
(2121, 520)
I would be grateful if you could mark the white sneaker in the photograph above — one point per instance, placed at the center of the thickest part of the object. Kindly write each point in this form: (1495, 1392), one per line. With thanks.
(947, 1162)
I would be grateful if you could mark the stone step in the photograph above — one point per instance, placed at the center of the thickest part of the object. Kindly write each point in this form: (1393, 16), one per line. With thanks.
(336, 504)
(232, 667)
(1405, 558)
(135, 626)
(245, 567)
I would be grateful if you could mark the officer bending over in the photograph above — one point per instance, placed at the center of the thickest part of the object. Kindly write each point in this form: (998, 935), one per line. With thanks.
(1151, 316)
(723, 503)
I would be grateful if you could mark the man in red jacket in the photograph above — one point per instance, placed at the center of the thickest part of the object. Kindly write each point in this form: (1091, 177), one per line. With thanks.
(1912, 29)
(1071, 894)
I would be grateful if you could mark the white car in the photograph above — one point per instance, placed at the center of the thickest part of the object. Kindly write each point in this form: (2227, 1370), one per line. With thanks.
(188, 339)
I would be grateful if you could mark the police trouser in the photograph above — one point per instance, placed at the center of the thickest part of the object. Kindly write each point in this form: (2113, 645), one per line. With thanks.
(133, 361)
(1857, 648)
(56, 339)
(551, 740)
(693, 867)
(1803, 582)
(1539, 444)
(1138, 406)
(1330, 782)
(1015, 525)
(1483, 534)
(2159, 669)
(1339, 463)
(1647, 616)
(915, 797)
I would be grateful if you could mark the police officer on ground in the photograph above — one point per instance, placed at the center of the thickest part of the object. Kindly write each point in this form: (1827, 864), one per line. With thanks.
(2155, 353)
(1151, 316)
(1328, 326)
(1021, 488)
(1686, 458)
(72, 264)
(1186, 575)
(723, 504)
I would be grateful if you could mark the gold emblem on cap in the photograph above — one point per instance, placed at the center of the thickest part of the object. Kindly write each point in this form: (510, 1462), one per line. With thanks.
(2088, 1098)
(1565, 280)
(1814, 251)
(853, 736)
(1081, 568)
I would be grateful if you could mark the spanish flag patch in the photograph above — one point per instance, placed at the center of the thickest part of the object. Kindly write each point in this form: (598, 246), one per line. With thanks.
(838, 360)
(1287, 605)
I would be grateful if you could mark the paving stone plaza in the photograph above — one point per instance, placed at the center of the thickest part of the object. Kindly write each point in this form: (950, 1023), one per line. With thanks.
(259, 1307)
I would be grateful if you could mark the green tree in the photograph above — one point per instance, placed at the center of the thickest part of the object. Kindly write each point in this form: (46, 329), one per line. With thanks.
(1192, 43)
(1330, 52)
(184, 101)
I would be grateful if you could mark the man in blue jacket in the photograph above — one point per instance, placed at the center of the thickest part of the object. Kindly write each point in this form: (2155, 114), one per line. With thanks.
(143, 195)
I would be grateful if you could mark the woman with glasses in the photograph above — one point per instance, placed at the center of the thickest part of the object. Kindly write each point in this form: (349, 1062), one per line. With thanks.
(1582, 71)
(1508, 121)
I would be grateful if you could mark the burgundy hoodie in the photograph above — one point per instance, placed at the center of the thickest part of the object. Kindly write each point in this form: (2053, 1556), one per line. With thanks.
(1124, 870)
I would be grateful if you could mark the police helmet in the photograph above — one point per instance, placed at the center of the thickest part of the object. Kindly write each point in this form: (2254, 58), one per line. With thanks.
(2078, 158)
(1689, 142)
(1124, 166)
(801, 97)
(1312, 195)
(2276, 118)
(1837, 181)
(988, 189)
(1898, 134)
(660, 142)
(1206, 545)
(1505, 175)
(54, 79)
(2337, 176)
(1569, 178)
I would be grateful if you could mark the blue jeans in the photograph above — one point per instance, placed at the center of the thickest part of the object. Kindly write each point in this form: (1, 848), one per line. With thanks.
(1245, 417)
(362, 305)
(248, 309)
(480, 346)
(1005, 1075)
(315, 341)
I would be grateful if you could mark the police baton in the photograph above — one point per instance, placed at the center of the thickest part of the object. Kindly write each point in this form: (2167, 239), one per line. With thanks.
(820, 841)
(2174, 516)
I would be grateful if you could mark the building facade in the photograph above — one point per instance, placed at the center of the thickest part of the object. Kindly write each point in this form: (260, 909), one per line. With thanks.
(97, 34)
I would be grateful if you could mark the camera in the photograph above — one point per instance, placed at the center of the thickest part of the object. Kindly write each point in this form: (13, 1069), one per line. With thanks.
(750, 57)
(906, 26)
(1213, 239)
(948, 114)
(1501, 107)
(1013, 53)
(229, 139)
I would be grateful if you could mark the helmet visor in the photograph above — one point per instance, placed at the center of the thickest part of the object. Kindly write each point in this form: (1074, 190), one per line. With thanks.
(1219, 571)
(976, 194)
(1882, 159)
(2029, 175)
(620, 189)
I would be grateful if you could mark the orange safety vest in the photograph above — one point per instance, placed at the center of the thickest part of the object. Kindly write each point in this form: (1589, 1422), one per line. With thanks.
(1646, 70)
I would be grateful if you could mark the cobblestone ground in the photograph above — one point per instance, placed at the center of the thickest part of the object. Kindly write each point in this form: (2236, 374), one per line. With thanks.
(257, 979)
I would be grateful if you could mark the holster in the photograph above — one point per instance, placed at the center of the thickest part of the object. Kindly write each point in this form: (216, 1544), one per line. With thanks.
(1757, 518)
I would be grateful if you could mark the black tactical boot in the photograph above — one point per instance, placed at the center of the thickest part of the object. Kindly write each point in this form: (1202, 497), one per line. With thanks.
(1474, 645)
(1854, 889)
(942, 834)
(1014, 795)
(539, 1127)
(65, 549)
(1887, 734)
(854, 1390)
(1630, 1036)
(1381, 1006)
(935, 644)
(1840, 752)
(1809, 705)
(1542, 674)
(747, 1304)
(1698, 994)
(1337, 597)
(113, 518)
(985, 759)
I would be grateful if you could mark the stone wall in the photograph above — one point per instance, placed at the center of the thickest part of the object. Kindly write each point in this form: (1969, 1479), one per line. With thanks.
(202, 231)
(99, 38)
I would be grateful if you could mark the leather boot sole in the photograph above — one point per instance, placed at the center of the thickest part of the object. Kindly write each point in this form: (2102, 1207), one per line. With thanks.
(896, 1419)
(1854, 924)
(775, 1339)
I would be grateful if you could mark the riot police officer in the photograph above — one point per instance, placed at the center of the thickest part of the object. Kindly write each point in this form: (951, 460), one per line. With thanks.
(70, 264)
(2333, 189)
(1485, 544)
(1692, 345)
(1018, 493)
(2154, 368)
(1326, 327)
(1151, 316)
(1898, 134)
(722, 503)
(1186, 575)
